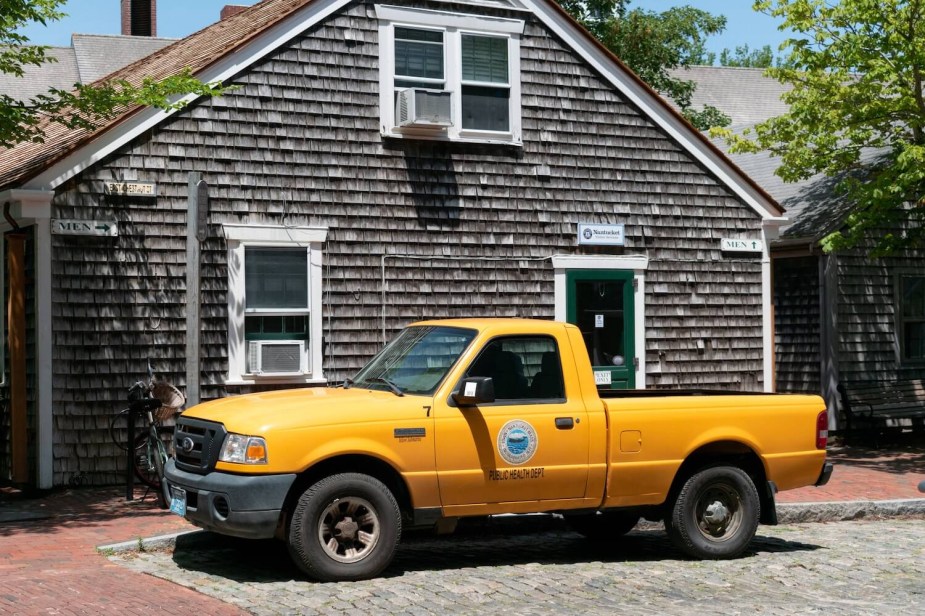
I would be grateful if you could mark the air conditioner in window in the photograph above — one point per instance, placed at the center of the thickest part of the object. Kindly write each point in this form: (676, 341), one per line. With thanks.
(276, 357)
(421, 108)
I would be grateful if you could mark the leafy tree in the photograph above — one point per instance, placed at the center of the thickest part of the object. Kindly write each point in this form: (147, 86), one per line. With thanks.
(652, 44)
(857, 113)
(86, 106)
(747, 58)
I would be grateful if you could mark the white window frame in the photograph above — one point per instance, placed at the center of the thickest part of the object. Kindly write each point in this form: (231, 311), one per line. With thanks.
(453, 26)
(239, 237)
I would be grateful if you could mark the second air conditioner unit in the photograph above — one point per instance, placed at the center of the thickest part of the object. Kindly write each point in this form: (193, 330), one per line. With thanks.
(272, 357)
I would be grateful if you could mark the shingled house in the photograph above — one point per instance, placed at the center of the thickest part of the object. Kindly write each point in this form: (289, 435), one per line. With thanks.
(377, 164)
(843, 320)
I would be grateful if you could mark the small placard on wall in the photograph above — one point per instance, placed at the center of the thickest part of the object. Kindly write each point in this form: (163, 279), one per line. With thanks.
(602, 377)
(600, 235)
(598, 321)
(730, 245)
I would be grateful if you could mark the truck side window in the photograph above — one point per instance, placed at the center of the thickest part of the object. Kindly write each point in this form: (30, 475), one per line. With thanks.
(522, 368)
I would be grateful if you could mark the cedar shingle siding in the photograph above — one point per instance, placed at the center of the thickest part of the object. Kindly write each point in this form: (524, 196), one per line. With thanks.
(469, 228)
(797, 322)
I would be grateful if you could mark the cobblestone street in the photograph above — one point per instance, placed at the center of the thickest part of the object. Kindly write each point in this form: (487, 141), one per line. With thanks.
(865, 567)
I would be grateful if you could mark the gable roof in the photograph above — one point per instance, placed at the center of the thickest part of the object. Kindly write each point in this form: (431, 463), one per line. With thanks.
(101, 54)
(229, 46)
(60, 73)
(89, 58)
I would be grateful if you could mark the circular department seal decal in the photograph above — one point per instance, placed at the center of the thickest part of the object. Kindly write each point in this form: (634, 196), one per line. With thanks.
(517, 442)
(588, 233)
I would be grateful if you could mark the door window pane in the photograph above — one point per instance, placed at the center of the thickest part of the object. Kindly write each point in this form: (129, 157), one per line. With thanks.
(276, 278)
(521, 368)
(600, 315)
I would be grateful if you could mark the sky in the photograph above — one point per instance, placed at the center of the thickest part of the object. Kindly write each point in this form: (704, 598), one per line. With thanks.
(179, 18)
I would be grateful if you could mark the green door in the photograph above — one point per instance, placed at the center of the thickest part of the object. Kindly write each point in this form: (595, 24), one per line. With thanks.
(600, 303)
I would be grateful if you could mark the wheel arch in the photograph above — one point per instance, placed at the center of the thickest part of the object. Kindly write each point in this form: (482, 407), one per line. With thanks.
(727, 453)
(352, 463)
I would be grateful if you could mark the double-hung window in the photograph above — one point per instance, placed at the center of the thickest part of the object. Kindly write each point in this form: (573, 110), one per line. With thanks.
(911, 321)
(449, 76)
(274, 303)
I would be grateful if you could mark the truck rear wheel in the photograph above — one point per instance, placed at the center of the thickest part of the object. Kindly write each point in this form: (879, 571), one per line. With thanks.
(344, 527)
(603, 525)
(715, 515)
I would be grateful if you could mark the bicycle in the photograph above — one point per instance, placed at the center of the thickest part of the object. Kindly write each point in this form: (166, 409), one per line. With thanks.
(155, 402)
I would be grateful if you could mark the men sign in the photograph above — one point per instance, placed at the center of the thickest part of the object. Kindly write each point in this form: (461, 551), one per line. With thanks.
(101, 228)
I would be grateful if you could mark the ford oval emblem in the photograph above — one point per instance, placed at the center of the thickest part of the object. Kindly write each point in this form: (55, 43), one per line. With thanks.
(187, 445)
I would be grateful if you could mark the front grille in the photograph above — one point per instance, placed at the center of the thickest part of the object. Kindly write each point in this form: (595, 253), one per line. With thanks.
(206, 438)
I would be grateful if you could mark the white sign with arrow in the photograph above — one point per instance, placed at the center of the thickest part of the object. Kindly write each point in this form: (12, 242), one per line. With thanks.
(101, 228)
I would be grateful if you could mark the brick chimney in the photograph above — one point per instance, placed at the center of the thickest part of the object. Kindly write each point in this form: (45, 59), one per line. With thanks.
(232, 9)
(139, 17)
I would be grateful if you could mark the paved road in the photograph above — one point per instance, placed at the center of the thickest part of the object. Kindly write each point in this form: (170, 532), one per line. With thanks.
(867, 567)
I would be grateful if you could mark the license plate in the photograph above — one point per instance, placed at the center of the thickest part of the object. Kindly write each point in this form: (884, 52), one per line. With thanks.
(178, 501)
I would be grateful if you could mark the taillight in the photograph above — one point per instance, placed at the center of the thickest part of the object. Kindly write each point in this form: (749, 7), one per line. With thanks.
(822, 430)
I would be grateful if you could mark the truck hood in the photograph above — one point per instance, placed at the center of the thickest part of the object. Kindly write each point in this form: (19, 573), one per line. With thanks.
(259, 413)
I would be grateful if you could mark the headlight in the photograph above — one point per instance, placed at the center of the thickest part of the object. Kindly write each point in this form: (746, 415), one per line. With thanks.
(241, 449)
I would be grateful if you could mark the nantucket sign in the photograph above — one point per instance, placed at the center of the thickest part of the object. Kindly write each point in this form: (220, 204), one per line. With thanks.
(600, 235)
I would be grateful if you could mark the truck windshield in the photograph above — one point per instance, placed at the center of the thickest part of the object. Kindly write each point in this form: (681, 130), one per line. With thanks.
(416, 361)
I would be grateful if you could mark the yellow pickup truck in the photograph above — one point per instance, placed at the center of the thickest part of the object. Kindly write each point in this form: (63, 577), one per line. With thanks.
(475, 417)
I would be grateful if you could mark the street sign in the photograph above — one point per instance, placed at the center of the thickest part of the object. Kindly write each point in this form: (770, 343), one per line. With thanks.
(130, 189)
(99, 228)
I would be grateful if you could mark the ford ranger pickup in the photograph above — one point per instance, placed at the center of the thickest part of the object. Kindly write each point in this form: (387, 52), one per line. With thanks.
(476, 417)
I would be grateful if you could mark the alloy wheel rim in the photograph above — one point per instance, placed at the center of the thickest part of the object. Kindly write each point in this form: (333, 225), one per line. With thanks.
(349, 529)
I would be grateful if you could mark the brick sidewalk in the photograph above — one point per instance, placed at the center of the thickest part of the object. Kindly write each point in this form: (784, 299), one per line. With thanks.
(49, 563)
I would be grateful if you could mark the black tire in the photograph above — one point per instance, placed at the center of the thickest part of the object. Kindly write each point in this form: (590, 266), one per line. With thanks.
(715, 515)
(603, 525)
(344, 528)
(148, 461)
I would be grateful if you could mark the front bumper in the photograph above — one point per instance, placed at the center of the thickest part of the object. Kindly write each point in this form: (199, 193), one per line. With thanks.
(237, 505)
(825, 474)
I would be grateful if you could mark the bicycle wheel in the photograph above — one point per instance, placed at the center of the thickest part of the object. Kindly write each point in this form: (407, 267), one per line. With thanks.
(150, 457)
(113, 431)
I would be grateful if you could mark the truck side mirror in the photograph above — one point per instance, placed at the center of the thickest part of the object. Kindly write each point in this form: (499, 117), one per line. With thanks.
(475, 390)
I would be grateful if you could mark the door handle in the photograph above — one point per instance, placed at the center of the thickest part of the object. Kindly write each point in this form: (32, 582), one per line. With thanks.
(565, 423)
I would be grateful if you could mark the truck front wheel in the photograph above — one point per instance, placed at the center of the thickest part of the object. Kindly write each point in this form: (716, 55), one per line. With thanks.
(344, 527)
(715, 515)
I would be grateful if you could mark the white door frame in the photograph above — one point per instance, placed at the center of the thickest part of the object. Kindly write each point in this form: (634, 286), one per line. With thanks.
(638, 264)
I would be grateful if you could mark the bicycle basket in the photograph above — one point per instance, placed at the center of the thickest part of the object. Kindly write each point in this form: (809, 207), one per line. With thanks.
(171, 400)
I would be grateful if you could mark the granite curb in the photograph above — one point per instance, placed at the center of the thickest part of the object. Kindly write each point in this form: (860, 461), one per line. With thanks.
(787, 513)
(840, 511)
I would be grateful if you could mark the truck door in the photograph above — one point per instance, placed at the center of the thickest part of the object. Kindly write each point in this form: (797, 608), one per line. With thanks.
(600, 303)
(531, 444)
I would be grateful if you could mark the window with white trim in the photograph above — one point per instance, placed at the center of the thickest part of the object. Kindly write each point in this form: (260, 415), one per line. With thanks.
(912, 318)
(274, 304)
(449, 76)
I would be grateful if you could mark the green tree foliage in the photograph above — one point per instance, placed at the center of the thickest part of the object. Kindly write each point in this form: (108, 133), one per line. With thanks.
(857, 68)
(747, 58)
(86, 106)
(652, 44)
